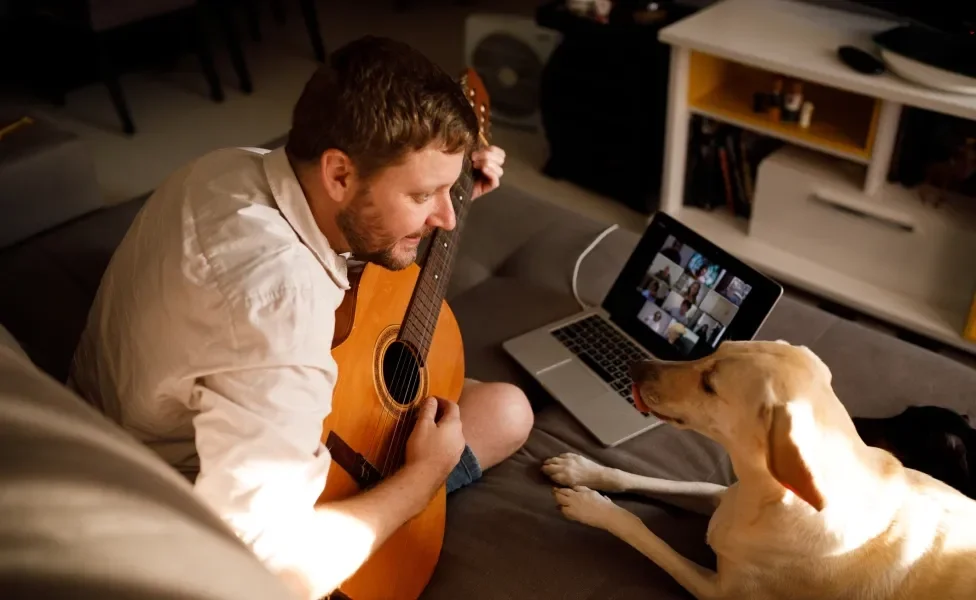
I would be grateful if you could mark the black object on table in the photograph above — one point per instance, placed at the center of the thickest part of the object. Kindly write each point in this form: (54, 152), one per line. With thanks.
(603, 100)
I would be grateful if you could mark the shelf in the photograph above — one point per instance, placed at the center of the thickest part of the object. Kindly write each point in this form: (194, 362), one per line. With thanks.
(802, 39)
(944, 324)
(843, 123)
(820, 136)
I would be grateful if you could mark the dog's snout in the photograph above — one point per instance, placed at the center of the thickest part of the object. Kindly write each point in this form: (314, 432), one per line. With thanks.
(643, 371)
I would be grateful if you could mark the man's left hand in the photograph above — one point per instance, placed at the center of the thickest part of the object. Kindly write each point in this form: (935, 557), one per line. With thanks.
(489, 161)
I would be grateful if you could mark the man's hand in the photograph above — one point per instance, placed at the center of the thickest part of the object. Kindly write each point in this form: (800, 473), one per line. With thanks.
(435, 445)
(489, 161)
(365, 521)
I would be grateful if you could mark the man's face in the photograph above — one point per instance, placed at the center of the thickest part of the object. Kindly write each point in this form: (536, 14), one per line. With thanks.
(388, 217)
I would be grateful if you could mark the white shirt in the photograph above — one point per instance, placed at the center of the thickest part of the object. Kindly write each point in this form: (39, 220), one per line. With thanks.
(210, 341)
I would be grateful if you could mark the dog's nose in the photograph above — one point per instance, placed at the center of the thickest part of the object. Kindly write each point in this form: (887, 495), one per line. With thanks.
(643, 371)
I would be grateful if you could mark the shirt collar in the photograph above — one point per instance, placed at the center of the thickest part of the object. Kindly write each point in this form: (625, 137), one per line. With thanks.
(290, 197)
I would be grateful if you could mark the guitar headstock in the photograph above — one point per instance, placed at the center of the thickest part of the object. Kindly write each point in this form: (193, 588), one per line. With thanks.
(477, 96)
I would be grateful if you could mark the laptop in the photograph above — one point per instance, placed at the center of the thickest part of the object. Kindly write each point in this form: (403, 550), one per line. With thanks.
(677, 298)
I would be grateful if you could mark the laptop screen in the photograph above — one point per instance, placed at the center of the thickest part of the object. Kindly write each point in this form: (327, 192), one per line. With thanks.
(680, 295)
(689, 297)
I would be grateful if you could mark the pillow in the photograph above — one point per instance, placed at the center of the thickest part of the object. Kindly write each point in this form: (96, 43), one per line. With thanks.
(88, 512)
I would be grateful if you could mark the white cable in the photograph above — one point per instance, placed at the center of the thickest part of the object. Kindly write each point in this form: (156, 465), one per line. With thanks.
(582, 255)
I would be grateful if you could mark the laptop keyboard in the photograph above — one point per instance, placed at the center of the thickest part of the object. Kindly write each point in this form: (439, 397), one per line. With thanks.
(604, 350)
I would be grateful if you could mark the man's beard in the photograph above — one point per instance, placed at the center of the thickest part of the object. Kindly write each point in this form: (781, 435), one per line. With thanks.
(362, 226)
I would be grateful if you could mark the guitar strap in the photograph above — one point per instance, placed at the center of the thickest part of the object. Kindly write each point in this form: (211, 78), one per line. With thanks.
(355, 464)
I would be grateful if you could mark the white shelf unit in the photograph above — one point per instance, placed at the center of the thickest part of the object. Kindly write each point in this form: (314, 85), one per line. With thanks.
(799, 40)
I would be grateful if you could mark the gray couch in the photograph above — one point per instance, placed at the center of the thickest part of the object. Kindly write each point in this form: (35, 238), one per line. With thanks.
(63, 465)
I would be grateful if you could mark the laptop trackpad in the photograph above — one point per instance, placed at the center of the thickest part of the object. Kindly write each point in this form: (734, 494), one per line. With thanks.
(573, 379)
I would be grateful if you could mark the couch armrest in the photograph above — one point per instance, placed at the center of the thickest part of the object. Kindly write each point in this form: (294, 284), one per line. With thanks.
(47, 178)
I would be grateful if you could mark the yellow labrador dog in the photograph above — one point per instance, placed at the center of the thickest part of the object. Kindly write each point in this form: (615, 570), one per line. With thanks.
(815, 513)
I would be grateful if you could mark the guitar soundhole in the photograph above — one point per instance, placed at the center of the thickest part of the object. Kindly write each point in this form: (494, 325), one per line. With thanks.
(401, 373)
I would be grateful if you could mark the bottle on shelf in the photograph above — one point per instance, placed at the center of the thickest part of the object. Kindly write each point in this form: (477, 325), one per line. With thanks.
(776, 97)
(793, 102)
(806, 114)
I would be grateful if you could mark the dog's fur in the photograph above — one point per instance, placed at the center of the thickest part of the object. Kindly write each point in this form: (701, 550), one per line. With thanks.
(816, 512)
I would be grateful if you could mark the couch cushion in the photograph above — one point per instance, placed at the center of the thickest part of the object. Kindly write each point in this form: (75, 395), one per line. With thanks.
(52, 280)
(47, 177)
(88, 512)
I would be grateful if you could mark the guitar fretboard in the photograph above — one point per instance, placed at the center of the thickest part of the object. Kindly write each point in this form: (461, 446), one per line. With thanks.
(425, 306)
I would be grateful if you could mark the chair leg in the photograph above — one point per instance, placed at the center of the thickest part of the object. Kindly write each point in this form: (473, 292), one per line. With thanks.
(226, 22)
(312, 24)
(253, 19)
(202, 43)
(278, 10)
(110, 77)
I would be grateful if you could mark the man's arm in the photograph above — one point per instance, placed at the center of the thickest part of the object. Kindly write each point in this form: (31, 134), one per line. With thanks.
(263, 468)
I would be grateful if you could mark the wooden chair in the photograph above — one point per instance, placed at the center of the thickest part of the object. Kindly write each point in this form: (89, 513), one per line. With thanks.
(95, 19)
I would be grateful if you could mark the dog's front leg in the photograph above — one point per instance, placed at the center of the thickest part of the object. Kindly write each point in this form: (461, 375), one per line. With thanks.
(591, 508)
(571, 469)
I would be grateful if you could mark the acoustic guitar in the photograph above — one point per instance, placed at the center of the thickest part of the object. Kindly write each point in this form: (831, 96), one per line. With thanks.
(397, 343)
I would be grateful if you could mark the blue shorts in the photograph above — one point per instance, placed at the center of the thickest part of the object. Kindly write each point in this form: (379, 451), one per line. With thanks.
(468, 470)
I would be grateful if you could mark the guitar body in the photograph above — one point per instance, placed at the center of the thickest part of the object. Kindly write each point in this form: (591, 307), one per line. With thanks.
(372, 422)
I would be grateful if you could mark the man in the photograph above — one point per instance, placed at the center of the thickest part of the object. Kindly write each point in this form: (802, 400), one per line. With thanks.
(673, 252)
(680, 313)
(658, 324)
(210, 337)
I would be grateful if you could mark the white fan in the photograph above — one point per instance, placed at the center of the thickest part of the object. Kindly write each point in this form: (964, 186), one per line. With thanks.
(509, 52)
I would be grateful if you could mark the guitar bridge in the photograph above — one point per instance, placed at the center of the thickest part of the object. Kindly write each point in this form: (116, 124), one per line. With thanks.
(355, 464)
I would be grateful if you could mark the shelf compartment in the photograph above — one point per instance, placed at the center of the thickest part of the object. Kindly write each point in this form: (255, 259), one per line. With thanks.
(843, 123)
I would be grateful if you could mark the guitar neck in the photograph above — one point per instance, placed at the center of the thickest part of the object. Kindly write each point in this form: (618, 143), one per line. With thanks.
(420, 321)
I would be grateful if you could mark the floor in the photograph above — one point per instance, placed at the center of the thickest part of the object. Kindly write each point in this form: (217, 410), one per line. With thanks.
(176, 121)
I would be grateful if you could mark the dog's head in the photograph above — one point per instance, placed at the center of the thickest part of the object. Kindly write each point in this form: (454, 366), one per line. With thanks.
(770, 404)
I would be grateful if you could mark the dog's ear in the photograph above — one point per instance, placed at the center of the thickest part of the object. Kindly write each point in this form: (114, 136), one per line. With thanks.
(786, 463)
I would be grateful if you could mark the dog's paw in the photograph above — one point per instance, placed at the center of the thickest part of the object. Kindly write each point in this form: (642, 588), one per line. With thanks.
(586, 506)
(572, 469)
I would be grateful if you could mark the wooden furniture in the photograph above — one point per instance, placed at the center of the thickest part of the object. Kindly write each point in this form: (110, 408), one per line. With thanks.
(309, 14)
(723, 54)
(96, 20)
(602, 96)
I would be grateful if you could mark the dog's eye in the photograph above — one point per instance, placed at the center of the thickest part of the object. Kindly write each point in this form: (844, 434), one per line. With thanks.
(706, 383)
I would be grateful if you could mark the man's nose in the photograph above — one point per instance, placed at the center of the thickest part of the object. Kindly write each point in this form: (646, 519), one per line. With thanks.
(443, 216)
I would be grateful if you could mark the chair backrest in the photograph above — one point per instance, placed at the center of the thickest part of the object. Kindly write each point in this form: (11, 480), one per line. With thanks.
(108, 14)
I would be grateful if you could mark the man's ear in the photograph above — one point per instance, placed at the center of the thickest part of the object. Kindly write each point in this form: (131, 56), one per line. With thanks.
(337, 172)
(786, 462)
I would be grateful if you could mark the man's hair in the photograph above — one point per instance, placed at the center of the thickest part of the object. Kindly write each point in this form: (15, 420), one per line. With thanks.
(378, 100)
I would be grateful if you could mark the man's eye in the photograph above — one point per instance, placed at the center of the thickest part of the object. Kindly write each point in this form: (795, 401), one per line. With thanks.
(421, 198)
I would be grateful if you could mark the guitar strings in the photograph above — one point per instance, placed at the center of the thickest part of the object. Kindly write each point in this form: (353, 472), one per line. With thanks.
(437, 256)
(410, 379)
(396, 447)
(427, 318)
(404, 420)
(444, 259)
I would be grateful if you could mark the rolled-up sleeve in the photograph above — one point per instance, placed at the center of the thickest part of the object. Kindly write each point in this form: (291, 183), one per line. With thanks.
(262, 465)
(258, 425)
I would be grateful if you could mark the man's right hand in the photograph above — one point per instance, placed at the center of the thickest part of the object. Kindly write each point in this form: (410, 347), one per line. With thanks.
(365, 521)
(436, 443)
